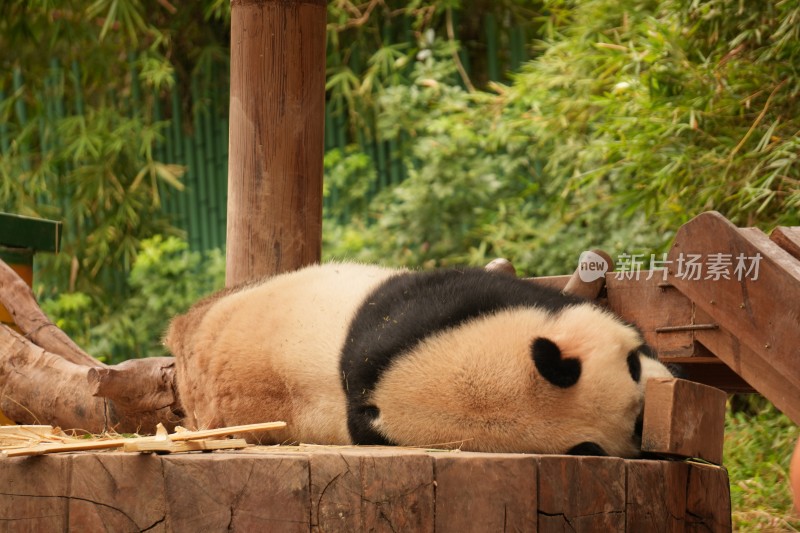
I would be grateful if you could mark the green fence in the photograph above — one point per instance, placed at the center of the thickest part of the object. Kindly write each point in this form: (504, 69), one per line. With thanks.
(197, 132)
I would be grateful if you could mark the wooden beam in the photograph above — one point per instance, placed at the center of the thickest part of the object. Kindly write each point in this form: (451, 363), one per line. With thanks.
(757, 303)
(36, 234)
(787, 238)
(277, 109)
(684, 419)
(710, 371)
(754, 368)
(360, 489)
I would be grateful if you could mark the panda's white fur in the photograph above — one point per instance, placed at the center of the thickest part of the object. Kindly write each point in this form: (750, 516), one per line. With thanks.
(274, 351)
(269, 351)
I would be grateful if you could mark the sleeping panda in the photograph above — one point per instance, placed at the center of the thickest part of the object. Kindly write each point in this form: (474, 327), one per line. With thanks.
(464, 358)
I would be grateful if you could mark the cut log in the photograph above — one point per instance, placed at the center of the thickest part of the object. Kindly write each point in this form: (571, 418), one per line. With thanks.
(142, 391)
(360, 489)
(501, 266)
(39, 387)
(684, 419)
(656, 496)
(46, 378)
(372, 490)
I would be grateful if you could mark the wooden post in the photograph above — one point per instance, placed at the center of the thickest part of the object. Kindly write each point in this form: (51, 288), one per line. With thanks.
(277, 110)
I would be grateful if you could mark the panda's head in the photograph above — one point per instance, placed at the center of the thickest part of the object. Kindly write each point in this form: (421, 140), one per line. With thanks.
(597, 366)
(525, 379)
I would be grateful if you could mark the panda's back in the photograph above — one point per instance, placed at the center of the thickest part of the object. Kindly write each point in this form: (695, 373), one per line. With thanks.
(270, 351)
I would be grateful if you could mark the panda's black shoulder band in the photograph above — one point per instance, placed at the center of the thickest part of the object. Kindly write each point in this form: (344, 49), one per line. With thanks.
(409, 307)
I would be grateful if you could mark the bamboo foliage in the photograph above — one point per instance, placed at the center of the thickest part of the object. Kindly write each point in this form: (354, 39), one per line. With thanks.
(122, 131)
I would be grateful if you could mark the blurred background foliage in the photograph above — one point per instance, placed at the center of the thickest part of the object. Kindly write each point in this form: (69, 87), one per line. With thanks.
(530, 129)
(455, 132)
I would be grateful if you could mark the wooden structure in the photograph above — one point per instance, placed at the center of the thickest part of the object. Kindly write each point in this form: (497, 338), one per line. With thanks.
(277, 115)
(725, 308)
(345, 490)
(731, 333)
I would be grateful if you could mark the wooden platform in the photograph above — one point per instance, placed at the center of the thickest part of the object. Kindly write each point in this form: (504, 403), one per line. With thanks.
(358, 489)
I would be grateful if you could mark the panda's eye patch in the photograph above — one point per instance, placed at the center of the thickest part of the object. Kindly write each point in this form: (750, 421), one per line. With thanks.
(635, 366)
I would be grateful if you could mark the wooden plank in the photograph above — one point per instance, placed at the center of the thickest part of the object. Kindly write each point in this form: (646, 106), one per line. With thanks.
(174, 442)
(760, 307)
(653, 305)
(168, 446)
(37, 234)
(581, 494)
(708, 499)
(787, 238)
(58, 447)
(217, 492)
(222, 432)
(555, 282)
(684, 418)
(26, 435)
(753, 367)
(656, 496)
(712, 372)
(115, 492)
(482, 492)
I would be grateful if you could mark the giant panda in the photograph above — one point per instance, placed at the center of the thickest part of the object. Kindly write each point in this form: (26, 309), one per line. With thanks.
(356, 354)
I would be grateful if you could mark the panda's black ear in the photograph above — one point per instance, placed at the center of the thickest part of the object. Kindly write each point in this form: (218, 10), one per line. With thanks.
(647, 351)
(552, 366)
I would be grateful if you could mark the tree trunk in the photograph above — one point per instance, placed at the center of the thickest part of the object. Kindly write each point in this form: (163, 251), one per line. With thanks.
(277, 113)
